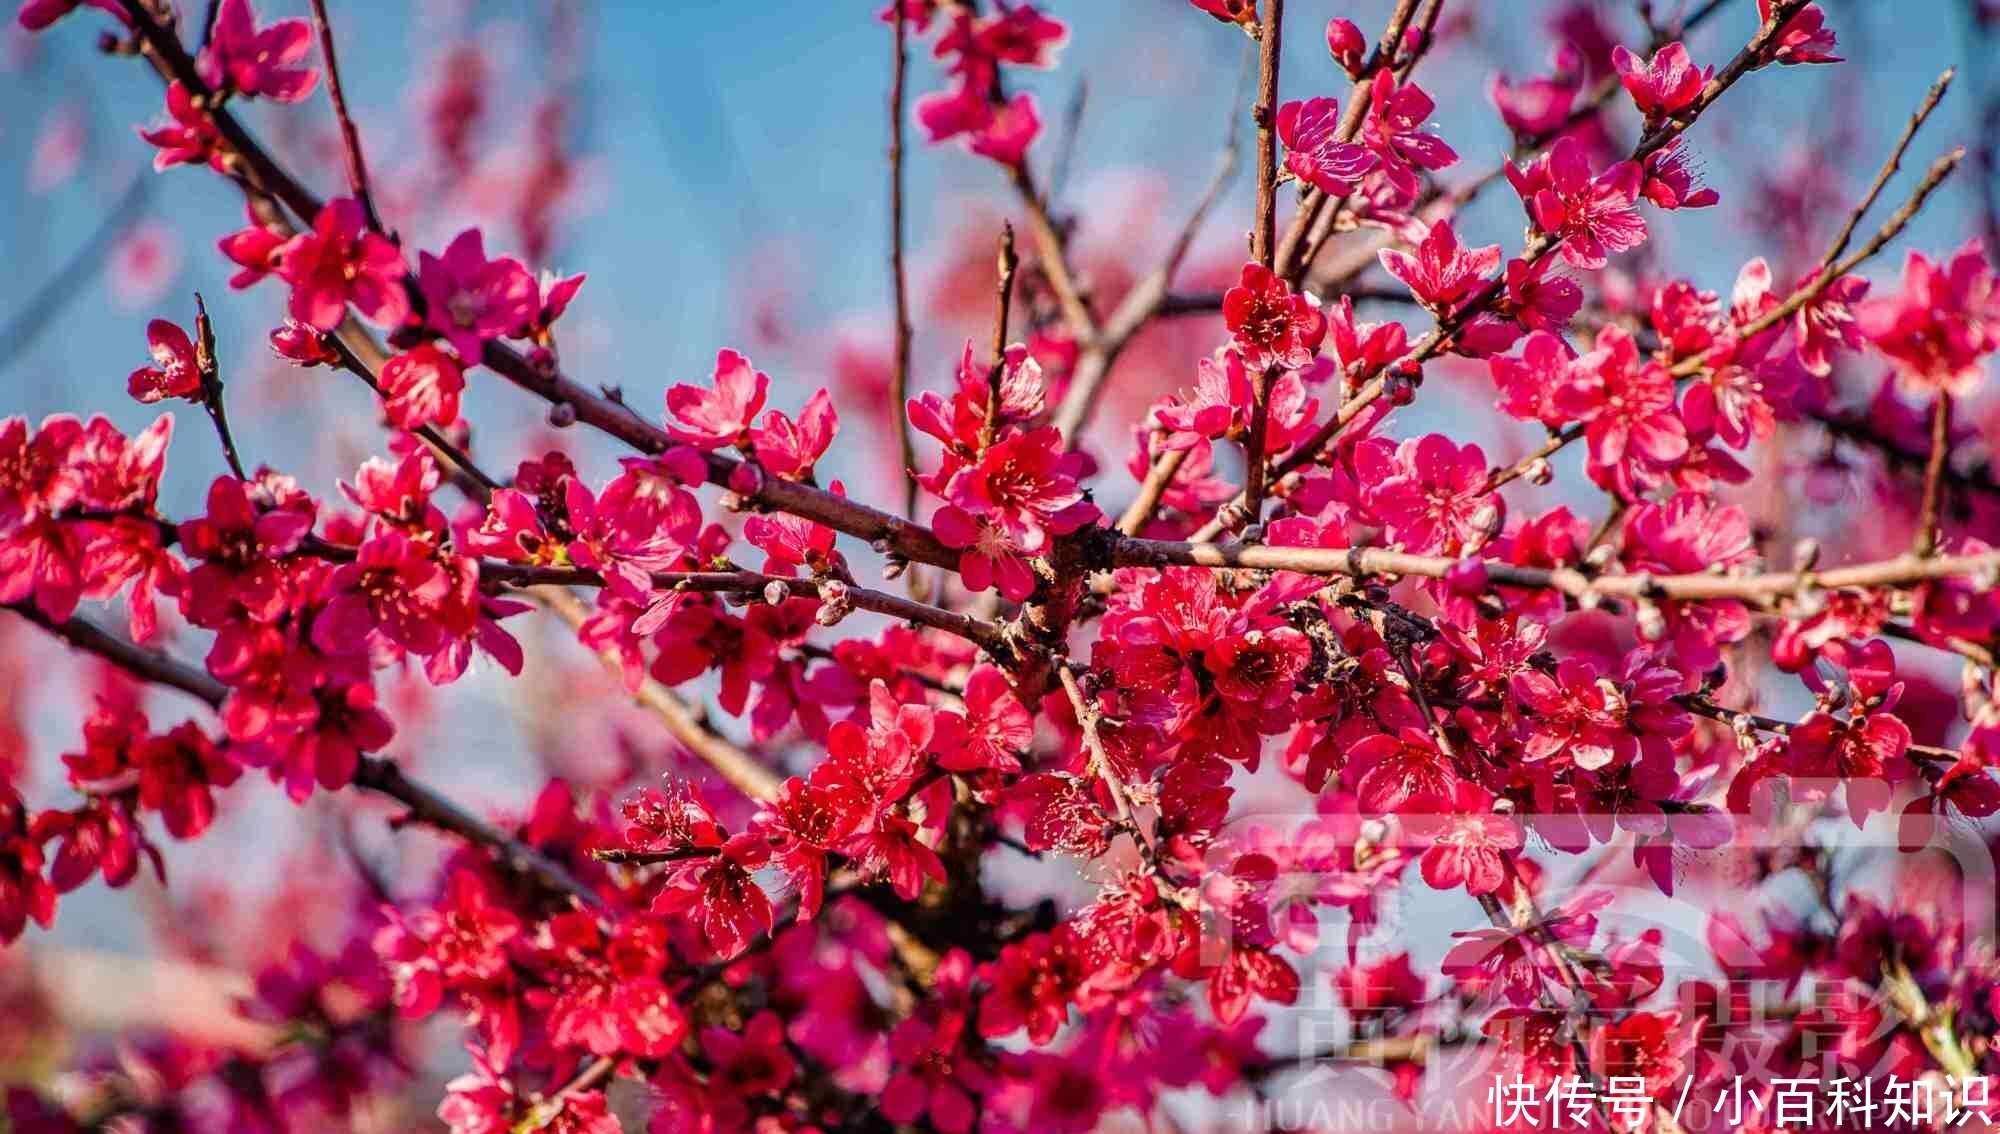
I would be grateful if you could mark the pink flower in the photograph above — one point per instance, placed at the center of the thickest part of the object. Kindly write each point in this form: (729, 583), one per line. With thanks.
(1028, 486)
(1313, 150)
(470, 299)
(38, 14)
(24, 892)
(1442, 273)
(788, 448)
(338, 262)
(1804, 38)
(258, 61)
(1468, 843)
(1539, 301)
(1633, 429)
(242, 541)
(1431, 494)
(1671, 183)
(421, 387)
(1592, 218)
(394, 590)
(1009, 131)
(1939, 331)
(1240, 12)
(1666, 85)
(1272, 326)
(174, 373)
(989, 557)
(719, 416)
(721, 896)
(1535, 108)
(188, 138)
(1394, 130)
(255, 250)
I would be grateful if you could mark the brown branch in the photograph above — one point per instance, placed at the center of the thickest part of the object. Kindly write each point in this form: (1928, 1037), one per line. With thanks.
(1695, 586)
(1004, 299)
(210, 370)
(1927, 515)
(350, 138)
(1158, 478)
(1263, 237)
(987, 635)
(899, 378)
(1087, 718)
(1054, 257)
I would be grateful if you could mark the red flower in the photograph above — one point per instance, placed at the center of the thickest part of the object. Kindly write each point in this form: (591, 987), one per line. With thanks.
(1468, 843)
(755, 1063)
(719, 895)
(1241, 12)
(255, 249)
(38, 14)
(720, 416)
(394, 588)
(1272, 327)
(1394, 130)
(1666, 85)
(252, 61)
(1671, 183)
(188, 138)
(1804, 38)
(1536, 107)
(179, 771)
(604, 995)
(1592, 218)
(460, 945)
(789, 449)
(338, 262)
(242, 542)
(24, 893)
(1442, 273)
(1314, 151)
(470, 299)
(421, 387)
(1939, 331)
(174, 373)
(1401, 770)
(1431, 495)
(1627, 407)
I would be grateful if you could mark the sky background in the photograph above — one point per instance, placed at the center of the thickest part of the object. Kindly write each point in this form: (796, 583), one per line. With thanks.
(732, 166)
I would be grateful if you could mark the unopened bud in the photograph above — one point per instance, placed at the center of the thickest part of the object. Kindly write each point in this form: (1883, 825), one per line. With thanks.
(1466, 578)
(746, 479)
(1488, 518)
(562, 415)
(1399, 389)
(775, 592)
(1346, 44)
(1540, 472)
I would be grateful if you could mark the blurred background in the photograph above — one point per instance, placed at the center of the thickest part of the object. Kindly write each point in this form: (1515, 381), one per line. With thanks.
(718, 170)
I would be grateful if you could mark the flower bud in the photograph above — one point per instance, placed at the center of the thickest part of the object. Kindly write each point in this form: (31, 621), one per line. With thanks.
(746, 479)
(562, 415)
(1539, 471)
(775, 592)
(1466, 578)
(1652, 624)
(1346, 44)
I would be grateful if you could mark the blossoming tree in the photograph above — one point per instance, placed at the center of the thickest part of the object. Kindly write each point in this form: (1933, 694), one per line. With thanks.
(1307, 665)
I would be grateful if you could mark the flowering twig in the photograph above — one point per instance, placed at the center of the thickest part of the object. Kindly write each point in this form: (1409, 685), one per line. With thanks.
(1087, 718)
(384, 777)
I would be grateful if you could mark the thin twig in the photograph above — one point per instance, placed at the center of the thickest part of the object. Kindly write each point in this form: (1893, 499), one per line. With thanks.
(1927, 516)
(1889, 168)
(1087, 718)
(211, 385)
(899, 378)
(350, 138)
(1004, 299)
(1264, 237)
